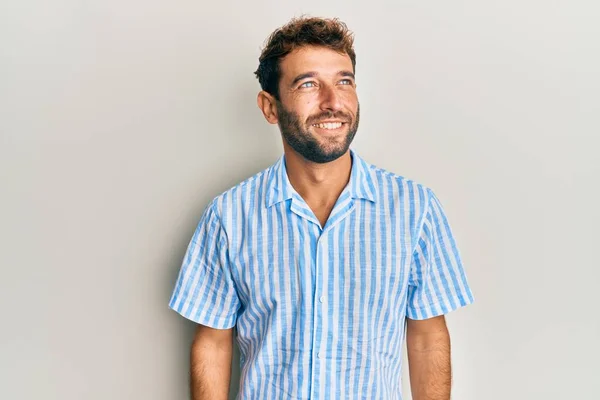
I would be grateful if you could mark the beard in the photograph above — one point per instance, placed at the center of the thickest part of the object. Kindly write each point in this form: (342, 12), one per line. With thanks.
(310, 146)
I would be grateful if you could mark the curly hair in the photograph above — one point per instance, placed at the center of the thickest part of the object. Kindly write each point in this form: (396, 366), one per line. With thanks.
(302, 31)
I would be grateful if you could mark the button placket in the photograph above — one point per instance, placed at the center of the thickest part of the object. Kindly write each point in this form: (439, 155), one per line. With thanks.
(318, 351)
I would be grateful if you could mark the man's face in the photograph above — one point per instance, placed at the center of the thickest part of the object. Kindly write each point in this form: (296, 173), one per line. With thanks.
(318, 111)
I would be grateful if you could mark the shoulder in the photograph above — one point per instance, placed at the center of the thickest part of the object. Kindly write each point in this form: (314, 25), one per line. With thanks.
(383, 177)
(400, 196)
(240, 194)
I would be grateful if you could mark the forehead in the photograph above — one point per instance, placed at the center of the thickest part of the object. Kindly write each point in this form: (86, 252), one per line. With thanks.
(317, 59)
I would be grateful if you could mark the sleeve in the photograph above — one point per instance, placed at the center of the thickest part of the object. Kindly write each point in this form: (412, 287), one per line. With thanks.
(437, 281)
(204, 291)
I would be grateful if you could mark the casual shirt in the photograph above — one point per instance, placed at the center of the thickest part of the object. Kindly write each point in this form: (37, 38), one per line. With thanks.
(320, 311)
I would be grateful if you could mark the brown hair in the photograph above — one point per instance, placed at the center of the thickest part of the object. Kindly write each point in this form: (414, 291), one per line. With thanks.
(301, 31)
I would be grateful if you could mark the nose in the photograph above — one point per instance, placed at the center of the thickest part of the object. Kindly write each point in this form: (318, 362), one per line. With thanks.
(331, 99)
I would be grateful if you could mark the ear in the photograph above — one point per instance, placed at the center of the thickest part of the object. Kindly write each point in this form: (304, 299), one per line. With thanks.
(266, 103)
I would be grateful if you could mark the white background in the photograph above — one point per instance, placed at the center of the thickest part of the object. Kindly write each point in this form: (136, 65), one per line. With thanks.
(120, 120)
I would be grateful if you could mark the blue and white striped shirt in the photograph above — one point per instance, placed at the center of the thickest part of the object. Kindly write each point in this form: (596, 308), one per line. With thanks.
(320, 311)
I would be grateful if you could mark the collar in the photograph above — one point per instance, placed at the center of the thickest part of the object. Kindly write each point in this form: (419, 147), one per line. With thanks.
(360, 186)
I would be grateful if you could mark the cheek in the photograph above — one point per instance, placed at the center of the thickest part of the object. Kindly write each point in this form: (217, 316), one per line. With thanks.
(307, 108)
(351, 98)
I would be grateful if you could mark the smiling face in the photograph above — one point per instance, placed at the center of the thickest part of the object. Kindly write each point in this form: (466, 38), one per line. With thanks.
(318, 110)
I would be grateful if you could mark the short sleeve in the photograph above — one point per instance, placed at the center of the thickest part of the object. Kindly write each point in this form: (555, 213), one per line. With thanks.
(437, 282)
(204, 291)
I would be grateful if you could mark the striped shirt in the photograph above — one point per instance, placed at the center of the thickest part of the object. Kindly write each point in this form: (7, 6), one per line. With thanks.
(319, 310)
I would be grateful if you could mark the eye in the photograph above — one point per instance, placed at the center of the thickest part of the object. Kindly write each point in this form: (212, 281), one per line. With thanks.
(346, 82)
(308, 84)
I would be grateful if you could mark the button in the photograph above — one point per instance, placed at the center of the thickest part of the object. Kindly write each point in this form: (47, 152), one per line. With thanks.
(319, 354)
(322, 299)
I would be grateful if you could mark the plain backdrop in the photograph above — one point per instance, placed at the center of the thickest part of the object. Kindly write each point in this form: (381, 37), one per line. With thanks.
(121, 120)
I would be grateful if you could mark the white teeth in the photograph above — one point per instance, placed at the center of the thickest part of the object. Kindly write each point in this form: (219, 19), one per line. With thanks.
(329, 125)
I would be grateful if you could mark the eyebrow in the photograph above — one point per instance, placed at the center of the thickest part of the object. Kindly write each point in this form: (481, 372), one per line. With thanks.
(304, 76)
(347, 74)
(312, 74)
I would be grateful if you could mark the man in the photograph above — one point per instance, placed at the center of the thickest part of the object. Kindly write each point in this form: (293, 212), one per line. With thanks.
(323, 263)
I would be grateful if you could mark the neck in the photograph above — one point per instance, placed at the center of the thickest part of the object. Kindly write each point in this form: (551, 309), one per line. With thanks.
(318, 184)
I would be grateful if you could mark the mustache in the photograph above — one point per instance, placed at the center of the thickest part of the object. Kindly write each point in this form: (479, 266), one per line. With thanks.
(329, 115)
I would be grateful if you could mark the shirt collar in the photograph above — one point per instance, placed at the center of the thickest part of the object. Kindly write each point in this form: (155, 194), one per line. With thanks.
(360, 186)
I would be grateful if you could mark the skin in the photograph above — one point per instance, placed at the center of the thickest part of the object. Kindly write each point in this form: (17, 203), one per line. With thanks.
(428, 350)
(210, 363)
(317, 84)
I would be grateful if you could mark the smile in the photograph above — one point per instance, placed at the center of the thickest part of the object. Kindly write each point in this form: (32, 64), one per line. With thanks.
(329, 125)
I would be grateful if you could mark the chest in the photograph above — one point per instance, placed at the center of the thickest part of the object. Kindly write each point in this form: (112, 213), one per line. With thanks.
(288, 262)
(321, 213)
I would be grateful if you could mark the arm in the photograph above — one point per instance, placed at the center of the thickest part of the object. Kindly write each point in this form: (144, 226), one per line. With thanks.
(211, 356)
(428, 347)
